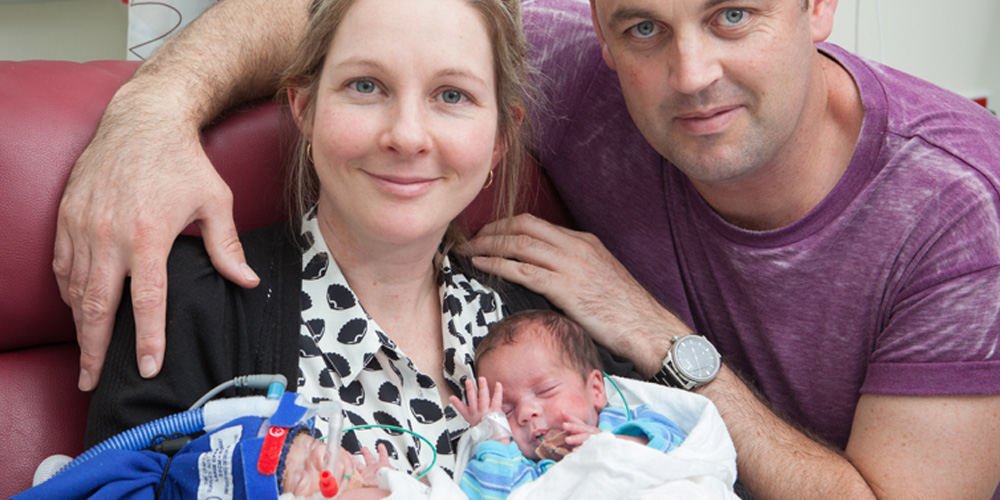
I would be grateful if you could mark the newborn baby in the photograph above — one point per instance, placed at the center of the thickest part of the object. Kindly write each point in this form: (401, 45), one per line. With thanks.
(549, 387)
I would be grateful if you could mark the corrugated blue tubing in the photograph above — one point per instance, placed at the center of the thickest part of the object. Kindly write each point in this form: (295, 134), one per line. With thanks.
(142, 436)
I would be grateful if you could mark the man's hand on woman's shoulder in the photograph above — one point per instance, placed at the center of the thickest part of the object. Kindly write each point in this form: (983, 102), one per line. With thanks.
(142, 180)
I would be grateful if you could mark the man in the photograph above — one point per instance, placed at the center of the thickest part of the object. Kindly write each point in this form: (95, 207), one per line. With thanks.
(829, 224)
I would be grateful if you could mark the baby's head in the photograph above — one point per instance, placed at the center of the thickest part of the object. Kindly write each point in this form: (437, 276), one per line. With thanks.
(549, 370)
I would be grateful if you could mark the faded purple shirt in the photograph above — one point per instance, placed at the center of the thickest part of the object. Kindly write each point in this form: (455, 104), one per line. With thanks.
(891, 285)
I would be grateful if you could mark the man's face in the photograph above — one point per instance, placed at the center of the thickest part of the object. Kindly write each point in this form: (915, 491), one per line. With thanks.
(716, 86)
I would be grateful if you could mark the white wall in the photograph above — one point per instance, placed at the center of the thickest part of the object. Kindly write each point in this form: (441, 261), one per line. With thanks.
(949, 43)
(75, 30)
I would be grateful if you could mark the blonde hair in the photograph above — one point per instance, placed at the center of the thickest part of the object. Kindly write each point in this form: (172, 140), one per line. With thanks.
(509, 46)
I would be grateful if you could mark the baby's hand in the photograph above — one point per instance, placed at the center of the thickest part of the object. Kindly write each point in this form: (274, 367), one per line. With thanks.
(480, 402)
(579, 431)
(367, 472)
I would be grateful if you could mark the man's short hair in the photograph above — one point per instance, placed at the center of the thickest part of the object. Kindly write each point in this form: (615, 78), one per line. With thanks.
(576, 347)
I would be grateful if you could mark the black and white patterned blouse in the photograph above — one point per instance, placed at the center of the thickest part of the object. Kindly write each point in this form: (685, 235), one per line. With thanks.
(345, 355)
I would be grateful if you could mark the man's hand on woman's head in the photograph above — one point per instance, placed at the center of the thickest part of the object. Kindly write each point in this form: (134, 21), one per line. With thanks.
(140, 182)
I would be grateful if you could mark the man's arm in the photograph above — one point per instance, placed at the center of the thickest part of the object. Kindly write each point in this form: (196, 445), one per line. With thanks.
(899, 447)
(145, 176)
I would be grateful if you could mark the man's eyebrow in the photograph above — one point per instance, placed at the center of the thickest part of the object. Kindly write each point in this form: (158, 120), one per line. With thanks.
(624, 14)
(712, 3)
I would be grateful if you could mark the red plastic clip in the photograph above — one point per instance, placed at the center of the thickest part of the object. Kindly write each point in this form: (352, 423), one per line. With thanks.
(270, 451)
(327, 485)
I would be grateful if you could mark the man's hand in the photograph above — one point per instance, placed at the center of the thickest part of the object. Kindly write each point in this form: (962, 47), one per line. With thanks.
(132, 191)
(580, 276)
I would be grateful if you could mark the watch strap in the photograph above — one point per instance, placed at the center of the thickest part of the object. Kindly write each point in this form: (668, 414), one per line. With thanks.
(668, 377)
(668, 374)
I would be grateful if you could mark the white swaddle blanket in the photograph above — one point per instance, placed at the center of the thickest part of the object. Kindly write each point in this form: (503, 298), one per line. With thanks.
(702, 467)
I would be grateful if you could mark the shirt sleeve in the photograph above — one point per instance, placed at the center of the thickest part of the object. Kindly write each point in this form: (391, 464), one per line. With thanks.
(660, 432)
(942, 334)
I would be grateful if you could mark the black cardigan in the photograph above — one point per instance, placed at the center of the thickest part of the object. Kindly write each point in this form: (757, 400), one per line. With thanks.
(217, 330)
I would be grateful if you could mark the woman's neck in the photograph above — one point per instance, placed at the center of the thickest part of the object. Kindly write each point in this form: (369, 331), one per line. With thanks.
(397, 285)
(390, 280)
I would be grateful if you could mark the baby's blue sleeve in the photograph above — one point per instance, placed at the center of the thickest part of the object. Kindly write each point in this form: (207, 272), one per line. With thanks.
(496, 469)
(661, 432)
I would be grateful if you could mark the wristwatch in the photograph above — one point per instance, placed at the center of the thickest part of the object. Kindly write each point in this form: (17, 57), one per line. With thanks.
(691, 361)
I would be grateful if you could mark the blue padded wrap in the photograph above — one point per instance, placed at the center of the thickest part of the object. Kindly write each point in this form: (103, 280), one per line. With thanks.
(246, 477)
(288, 413)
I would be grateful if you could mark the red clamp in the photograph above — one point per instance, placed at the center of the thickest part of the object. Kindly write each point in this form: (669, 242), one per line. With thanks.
(270, 452)
(327, 485)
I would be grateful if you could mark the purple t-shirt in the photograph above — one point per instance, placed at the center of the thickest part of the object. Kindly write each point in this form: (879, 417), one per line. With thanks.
(891, 285)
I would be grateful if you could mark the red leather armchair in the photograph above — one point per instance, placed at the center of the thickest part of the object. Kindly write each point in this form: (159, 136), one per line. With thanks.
(49, 111)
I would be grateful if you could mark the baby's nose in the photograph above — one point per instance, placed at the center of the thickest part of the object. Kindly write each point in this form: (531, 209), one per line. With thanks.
(317, 457)
(528, 412)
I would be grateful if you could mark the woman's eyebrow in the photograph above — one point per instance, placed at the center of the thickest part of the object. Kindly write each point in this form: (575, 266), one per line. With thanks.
(364, 62)
(461, 73)
(382, 68)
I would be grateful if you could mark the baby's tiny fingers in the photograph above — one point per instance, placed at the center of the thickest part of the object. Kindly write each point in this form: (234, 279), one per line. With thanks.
(368, 456)
(484, 394)
(496, 404)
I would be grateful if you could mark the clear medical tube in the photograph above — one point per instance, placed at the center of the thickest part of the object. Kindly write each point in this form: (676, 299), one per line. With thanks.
(329, 484)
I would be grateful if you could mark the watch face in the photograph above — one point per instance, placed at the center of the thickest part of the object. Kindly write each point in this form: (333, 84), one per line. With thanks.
(696, 358)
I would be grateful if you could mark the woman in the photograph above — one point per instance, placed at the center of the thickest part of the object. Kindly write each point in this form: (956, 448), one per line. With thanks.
(407, 109)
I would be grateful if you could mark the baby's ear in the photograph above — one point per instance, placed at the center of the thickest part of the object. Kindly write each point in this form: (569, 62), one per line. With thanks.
(595, 385)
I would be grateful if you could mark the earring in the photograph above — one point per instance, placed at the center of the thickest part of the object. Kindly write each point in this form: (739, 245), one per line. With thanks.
(309, 152)
(489, 180)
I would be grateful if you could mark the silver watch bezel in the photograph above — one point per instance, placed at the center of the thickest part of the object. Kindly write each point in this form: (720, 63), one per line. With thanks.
(673, 374)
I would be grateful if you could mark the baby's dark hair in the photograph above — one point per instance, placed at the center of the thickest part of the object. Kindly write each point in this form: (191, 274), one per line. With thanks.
(577, 349)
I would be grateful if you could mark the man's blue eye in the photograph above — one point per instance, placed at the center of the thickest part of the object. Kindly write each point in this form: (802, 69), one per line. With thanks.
(451, 96)
(733, 16)
(644, 29)
(364, 86)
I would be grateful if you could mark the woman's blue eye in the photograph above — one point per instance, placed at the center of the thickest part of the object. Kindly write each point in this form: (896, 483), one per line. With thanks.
(364, 86)
(644, 29)
(733, 16)
(451, 96)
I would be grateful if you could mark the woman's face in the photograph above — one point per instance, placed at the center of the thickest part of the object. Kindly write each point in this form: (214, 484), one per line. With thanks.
(405, 126)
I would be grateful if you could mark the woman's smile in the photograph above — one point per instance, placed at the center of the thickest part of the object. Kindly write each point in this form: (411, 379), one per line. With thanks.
(404, 186)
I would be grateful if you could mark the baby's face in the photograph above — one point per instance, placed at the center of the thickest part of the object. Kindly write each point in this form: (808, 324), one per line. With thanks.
(304, 463)
(539, 391)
